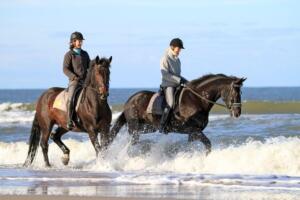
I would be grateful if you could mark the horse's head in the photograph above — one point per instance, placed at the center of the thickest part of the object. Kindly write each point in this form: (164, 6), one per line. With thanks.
(231, 95)
(99, 75)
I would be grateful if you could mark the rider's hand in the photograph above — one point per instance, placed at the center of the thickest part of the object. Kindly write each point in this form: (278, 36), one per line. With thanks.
(183, 85)
(183, 82)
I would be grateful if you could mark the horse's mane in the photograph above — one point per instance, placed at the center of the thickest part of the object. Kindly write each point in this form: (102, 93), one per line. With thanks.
(211, 76)
(88, 77)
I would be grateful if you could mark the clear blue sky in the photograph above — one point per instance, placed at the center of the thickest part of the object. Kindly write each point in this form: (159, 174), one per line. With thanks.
(258, 39)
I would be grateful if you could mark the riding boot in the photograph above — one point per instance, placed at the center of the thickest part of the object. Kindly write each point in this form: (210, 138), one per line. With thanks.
(164, 120)
(70, 124)
(70, 104)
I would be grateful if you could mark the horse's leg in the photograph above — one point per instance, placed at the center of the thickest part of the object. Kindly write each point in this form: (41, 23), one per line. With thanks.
(200, 136)
(105, 137)
(133, 129)
(45, 130)
(93, 135)
(56, 137)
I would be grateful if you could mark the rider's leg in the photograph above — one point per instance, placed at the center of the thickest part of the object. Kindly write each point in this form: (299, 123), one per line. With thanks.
(169, 94)
(71, 90)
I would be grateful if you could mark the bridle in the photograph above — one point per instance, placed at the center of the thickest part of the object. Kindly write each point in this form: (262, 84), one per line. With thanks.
(101, 91)
(232, 105)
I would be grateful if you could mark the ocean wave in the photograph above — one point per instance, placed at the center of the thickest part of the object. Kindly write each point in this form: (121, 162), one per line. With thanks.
(8, 106)
(170, 153)
(22, 113)
(16, 113)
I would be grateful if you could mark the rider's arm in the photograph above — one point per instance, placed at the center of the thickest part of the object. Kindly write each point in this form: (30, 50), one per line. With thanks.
(164, 67)
(88, 59)
(67, 66)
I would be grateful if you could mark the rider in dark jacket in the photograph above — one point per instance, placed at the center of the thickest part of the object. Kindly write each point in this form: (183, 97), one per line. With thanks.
(76, 63)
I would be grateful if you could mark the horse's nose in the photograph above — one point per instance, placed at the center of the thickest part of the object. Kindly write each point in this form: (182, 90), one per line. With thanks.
(102, 90)
(103, 97)
(237, 114)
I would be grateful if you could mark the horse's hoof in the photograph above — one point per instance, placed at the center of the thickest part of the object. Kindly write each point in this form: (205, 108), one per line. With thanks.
(207, 152)
(47, 165)
(27, 164)
(65, 159)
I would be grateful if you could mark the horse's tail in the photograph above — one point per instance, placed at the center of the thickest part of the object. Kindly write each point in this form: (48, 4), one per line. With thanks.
(118, 125)
(34, 141)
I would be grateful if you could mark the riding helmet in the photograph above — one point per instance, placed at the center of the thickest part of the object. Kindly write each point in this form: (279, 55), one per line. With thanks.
(176, 42)
(76, 36)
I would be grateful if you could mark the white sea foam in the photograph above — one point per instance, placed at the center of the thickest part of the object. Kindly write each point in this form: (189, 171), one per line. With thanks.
(166, 159)
(170, 160)
(278, 155)
(15, 114)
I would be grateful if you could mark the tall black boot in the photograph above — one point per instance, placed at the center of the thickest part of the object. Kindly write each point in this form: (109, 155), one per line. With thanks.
(70, 124)
(164, 120)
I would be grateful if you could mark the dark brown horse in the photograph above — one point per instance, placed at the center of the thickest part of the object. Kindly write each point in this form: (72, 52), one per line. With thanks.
(191, 117)
(93, 112)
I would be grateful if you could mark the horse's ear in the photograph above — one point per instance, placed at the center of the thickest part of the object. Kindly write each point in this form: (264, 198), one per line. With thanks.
(110, 59)
(240, 81)
(243, 79)
(97, 59)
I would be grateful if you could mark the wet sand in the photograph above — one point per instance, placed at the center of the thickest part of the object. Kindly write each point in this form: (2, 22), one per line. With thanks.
(54, 197)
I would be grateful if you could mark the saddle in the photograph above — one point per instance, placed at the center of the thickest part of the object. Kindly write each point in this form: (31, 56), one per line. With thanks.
(158, 102)
(61, 101)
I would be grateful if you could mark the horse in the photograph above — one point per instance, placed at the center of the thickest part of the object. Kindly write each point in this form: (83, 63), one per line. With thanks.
(190, 115)
(93, 111)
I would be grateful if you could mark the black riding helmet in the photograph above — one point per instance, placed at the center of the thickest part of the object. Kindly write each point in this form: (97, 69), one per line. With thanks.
(76, 36)
(176, 42)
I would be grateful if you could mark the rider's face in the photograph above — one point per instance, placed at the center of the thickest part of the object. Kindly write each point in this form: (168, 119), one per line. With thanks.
(176, 50)
(77, 44)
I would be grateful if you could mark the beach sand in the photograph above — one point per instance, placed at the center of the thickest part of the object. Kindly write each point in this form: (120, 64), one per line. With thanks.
(54, 197)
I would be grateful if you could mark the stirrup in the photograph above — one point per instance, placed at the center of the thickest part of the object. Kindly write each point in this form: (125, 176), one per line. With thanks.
(70, 125)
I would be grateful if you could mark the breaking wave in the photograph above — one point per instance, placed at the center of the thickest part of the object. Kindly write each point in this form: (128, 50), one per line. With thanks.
(157, 153)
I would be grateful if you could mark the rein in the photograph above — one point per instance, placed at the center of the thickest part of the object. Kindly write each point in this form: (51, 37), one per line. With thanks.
(84, 87)
(213, 102)
(205, 99)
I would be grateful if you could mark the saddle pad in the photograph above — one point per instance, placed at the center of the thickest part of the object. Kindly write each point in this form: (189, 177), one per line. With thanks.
(61, 101)
(156, 104)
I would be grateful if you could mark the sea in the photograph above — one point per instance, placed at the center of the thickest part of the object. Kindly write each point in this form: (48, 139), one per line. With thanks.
(256, 156)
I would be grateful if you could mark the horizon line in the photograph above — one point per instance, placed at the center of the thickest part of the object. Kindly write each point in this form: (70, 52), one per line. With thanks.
(148, 87)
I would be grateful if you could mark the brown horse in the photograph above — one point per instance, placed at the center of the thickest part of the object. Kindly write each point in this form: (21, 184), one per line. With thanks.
(190, 115)
(93, 112)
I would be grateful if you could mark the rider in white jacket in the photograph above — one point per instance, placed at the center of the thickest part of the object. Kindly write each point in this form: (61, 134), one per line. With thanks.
(171, 77)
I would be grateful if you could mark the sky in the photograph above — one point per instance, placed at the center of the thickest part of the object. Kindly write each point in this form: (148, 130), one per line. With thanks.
(257, 39)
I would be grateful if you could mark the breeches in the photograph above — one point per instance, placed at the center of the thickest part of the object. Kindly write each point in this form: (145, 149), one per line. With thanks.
(72, 86)
(169, 94)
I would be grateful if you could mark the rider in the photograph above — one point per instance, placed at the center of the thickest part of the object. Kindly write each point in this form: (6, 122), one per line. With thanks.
(76, 63)
(170, 68)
